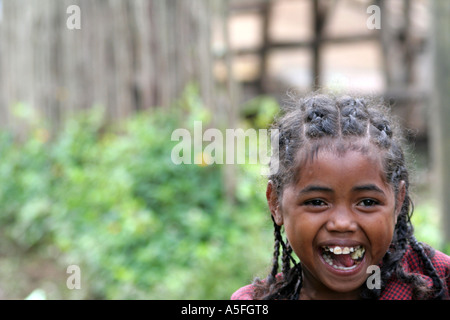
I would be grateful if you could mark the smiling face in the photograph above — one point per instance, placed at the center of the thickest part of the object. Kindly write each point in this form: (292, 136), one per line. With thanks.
(339, 217)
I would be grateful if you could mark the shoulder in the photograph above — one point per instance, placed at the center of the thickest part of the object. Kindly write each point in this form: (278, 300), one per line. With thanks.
(248, 292)
(440, 261)
(412, 264)
(244, 293)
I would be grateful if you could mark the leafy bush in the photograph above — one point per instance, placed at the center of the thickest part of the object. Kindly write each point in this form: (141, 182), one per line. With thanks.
(110, 200)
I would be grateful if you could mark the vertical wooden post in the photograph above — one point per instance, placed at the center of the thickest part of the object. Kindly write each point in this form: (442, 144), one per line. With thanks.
(266, 18)
(316, 47)
(384, 39)
(232, 112)
(408, 50)
(440, 113)
(319, 12)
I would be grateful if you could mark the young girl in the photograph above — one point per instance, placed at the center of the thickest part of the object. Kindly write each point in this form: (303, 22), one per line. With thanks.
(341, 194)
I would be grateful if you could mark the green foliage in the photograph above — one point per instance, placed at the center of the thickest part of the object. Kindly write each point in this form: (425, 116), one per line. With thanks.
(426, 224)
(110, 200)
(260, 111)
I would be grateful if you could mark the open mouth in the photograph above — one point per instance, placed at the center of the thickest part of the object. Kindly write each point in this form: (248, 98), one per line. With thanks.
(343, 258)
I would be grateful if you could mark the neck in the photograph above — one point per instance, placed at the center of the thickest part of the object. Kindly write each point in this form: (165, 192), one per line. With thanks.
(312, 289)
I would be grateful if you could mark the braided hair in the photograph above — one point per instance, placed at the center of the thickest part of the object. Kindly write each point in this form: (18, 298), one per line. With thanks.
(313, 122)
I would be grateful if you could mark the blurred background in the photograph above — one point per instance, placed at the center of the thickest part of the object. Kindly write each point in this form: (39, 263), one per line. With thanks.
(87, 112)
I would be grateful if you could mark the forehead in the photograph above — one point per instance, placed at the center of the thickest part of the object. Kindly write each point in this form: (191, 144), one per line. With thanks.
(357, 165)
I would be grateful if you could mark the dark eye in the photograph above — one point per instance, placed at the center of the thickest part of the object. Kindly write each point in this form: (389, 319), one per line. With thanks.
(315, 203)
(368, 203)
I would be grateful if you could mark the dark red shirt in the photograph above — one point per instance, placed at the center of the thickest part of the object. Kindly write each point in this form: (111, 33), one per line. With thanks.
(395, 289)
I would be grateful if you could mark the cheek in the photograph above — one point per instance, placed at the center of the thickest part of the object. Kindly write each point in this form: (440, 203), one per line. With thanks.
(380, 232)
(301, 233)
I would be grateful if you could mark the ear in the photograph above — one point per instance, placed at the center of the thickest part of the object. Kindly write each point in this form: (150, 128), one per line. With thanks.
(272, 201)
(400, 198)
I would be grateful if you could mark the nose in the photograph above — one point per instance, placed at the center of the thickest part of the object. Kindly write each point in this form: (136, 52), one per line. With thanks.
(341, 220)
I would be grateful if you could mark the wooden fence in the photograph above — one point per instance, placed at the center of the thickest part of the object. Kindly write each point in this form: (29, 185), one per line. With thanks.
(127, 56)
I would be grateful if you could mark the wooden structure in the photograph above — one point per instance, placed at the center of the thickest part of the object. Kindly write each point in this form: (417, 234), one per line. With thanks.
(133, 55)
(127, 56)
(399, 72)
(440, 115)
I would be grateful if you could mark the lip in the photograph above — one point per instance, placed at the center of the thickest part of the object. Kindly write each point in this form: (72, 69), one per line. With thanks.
(341, 243)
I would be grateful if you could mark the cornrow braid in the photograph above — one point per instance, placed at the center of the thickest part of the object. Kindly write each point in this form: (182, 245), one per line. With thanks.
(275, 287)
(286, 259)
(439, 290)
(276, 254)
(321, 118)
(353, 117)
(311, 123)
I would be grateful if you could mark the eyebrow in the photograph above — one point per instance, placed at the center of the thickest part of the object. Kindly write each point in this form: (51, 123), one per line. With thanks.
(314, 188)
(368, 187)
(317, 188)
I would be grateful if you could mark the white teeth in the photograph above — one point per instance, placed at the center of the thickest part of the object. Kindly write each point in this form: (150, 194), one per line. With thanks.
(356, 252)
(345, 268)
